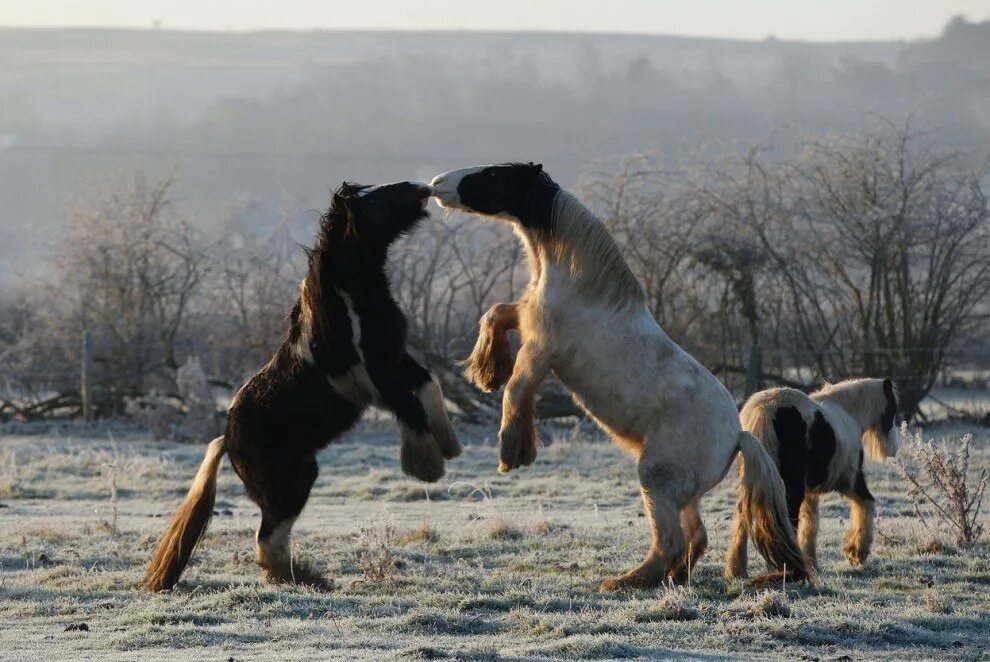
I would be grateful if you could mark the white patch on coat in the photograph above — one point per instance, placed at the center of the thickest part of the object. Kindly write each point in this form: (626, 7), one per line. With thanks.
(432, 398)
(355, 385)
(355, 322)
(273, 551)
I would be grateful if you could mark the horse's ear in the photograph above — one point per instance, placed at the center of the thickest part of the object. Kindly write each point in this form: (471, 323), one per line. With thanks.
(344, 201)
(888, 389)
(538, 167)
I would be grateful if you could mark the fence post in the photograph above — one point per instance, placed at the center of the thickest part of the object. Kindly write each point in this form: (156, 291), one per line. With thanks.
(84, 370)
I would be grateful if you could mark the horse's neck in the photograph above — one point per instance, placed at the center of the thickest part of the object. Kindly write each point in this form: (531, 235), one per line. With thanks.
(534, 257)
(579, 243)
(838, 404)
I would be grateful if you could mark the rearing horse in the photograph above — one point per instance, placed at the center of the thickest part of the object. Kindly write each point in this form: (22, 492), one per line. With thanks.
(584, 317)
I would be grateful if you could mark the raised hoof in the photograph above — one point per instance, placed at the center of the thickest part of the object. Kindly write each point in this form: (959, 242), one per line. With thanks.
(421, 458)
(446, 438)
(491, 363)
(437, 420)
(517, 447)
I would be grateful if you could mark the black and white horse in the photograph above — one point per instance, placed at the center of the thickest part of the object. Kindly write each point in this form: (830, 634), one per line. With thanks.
(818, 443)
(345, 350)
(584, 317)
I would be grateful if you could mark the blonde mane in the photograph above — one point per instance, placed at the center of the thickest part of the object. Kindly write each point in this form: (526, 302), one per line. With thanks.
(580, 241)
(864, 400)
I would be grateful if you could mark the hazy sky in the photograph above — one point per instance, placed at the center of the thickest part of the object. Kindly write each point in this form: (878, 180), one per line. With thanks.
(747, 19)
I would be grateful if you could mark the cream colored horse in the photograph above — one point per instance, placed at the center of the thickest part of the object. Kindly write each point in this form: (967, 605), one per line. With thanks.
(583, 316)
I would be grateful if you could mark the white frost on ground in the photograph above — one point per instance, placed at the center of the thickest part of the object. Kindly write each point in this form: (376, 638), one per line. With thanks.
(507, 571)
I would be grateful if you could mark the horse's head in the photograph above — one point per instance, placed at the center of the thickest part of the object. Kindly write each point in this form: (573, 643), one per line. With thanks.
(512, 191)
(881, 438)
(379, 214)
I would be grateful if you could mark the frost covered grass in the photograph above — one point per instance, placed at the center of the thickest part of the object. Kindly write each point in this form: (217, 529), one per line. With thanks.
(479, 566)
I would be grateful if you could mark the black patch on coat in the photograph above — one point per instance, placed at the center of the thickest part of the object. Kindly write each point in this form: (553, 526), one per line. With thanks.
(521, 190)
(889, 414)
(859, 487)
(792, 456)
(821, 449)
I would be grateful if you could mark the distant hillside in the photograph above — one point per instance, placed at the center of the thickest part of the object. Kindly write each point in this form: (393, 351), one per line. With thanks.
(274, 116)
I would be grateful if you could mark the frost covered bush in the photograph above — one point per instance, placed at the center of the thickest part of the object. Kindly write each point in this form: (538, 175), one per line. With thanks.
(189, 416)
(940, 485)
(199, 422)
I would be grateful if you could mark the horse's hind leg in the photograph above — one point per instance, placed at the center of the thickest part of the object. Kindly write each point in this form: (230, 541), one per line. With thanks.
(663, 509)
(282, 493)
(697, 541)
(808, 528)
(736, 560)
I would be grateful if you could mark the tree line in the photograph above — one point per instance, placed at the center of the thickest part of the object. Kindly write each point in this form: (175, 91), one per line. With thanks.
(829, 257)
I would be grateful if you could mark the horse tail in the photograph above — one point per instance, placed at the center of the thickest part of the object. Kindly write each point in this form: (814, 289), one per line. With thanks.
(764, 509)
(188, 524)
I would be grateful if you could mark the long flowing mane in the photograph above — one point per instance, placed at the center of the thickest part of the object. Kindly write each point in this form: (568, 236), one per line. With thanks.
(580, 241)
(308, 317)
(863, 399)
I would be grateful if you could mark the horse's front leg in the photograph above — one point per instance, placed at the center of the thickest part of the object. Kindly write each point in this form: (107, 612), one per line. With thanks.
(420, 454)
(862, 509)
(490, 363)
(426, 388)
(517, 435)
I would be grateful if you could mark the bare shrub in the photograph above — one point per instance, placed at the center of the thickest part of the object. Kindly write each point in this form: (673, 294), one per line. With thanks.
(188, 415)
(198, 406)
(377, 563)
(130, 268)
(676, 603)
(940, 486)
(111, 471)
(765, 604)
(486, 514)
(936, 601)
(425, 532)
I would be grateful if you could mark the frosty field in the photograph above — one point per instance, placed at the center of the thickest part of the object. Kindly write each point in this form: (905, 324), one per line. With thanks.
(479, 566)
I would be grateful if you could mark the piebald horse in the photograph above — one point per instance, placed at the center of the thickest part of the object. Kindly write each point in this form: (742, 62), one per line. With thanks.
(345, 350)
(583, 316)
(818, 442)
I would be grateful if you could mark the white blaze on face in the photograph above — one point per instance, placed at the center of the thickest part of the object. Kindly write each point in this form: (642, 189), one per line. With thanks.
(445, 186)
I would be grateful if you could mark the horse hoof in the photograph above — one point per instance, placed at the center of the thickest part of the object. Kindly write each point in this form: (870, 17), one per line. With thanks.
(421, 458)
(503, 467)
(617, 584)
(621, 584)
